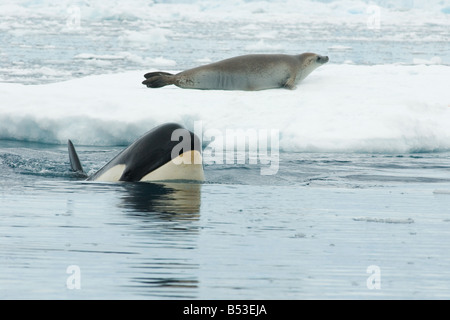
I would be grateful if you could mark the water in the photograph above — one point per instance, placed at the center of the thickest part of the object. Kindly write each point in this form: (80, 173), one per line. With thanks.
(310, 232)
(363, 177)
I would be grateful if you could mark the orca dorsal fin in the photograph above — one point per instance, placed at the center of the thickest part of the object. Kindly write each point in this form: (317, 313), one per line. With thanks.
(75, 163)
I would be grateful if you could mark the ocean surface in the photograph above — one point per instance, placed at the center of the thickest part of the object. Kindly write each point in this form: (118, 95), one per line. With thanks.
(347, 195)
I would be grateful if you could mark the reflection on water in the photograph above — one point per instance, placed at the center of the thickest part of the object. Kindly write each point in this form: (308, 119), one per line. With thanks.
(166, 214)
(168, 197)
(165, 279)
(130, 240)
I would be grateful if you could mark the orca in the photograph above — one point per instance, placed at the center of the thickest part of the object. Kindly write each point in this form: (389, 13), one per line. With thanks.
(159, 155)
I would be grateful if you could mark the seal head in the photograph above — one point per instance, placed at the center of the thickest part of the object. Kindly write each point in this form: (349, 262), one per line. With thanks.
(309, 63)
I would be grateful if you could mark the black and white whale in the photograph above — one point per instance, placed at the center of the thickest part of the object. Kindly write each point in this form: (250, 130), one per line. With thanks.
(167, 152)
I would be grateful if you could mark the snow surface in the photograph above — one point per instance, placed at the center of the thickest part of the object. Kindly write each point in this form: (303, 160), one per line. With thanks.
(383, 108)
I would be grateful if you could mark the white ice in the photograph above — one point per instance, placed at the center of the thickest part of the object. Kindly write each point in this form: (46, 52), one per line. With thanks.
(382, 108)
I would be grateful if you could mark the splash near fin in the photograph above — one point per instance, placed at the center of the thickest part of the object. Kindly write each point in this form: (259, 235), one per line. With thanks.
(75, 163)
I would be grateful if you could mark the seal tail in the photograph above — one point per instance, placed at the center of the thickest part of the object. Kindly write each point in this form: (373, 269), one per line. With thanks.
(75, 163)
(158, 79)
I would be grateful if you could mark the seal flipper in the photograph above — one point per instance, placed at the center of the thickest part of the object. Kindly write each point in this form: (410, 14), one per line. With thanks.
(75, 163)
(158, 73)
(158, 79)
(290, 83)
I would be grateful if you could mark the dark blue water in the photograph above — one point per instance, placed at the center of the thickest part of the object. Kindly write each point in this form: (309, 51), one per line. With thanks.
(310, 231)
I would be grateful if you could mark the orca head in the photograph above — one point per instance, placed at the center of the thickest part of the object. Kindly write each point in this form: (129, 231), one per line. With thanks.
(167, 152)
